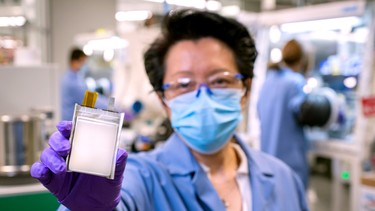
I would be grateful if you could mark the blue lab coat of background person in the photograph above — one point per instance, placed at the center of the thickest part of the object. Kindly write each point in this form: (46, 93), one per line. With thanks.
(73, 86)
(281, 135)
(279, 101)
(170, 178)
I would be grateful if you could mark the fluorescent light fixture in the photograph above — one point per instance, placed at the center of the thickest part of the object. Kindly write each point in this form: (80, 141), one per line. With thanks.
(136, 15)
(87, 50)
(108, 55)
(213, 5)
(8, 43)
(276, 55)
(275, 34)
(210, 5)
(12, 21)
(199, 4)
(104, 44)
(321, 25)
(157, 1)
(361, 34)
(231, 10)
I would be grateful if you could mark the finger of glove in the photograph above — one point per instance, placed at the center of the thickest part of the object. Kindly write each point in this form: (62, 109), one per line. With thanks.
(53, 161)
(121, 158)
(65, 128)
(41, 172)
(59, 144)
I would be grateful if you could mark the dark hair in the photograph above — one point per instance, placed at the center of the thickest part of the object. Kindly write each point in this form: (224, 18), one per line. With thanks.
(292, 52)
(76, 54)
(193, 25)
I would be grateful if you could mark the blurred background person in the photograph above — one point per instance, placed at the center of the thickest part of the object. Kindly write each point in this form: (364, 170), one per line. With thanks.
(73, 85)
(279, 101)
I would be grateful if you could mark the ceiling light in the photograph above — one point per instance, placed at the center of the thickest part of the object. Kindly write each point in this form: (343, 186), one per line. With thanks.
(157, 1)
(136, 15)
(12, 21)
(88, 50)
(108, 55)
(275, 34)
(232, 10)
(276, 55)
(199, 4)
(321, 25)
(104, 44)
(9, 43)
(213, 5)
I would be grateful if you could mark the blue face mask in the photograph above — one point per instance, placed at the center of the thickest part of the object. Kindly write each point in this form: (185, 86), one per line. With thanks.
(206, 119)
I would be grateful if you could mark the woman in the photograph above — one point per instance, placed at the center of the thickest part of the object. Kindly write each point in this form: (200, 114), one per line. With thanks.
(201, 67)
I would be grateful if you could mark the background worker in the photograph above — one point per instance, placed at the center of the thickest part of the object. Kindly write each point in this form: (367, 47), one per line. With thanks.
(279, 101)
(73, 85)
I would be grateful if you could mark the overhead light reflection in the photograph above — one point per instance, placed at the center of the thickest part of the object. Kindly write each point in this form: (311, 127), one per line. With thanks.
(275, 34)
(230, 10)
(104, 44)
(108, 55)
(276, 55)
(321, 25)
(199, 4)
(12, 21)
(213, 5)
(136, 15)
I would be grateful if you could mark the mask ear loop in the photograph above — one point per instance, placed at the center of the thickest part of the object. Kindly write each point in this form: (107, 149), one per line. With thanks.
(165, 101)
(244, 92)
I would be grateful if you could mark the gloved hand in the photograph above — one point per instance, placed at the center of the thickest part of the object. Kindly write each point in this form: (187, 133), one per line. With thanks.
(76, 191)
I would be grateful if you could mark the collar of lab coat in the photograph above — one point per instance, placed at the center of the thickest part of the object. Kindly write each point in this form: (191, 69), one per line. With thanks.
(180, 161)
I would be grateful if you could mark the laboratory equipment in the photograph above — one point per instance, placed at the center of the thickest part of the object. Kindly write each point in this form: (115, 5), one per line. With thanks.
(339, 40)
(22, 138)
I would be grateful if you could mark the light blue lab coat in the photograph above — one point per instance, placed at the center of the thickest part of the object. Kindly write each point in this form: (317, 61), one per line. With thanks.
(170, 178)
(72, 91)
(281, 135)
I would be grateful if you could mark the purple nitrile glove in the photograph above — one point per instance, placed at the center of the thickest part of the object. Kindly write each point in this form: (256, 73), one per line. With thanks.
(76, 191)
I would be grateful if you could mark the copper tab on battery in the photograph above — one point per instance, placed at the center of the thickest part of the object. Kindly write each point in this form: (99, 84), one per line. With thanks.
(90, 99)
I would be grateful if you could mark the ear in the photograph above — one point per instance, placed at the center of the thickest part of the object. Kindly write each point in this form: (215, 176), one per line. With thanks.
(166, 108)
(245, 98)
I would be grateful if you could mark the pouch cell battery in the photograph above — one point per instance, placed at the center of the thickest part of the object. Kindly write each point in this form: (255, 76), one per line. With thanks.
(94, 141)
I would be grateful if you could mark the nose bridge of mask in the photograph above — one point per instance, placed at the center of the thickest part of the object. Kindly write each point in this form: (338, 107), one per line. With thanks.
(204, 94)
(205, 88)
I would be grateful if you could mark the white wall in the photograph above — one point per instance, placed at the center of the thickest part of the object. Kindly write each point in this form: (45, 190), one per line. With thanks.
(71, 17)
(28, 87)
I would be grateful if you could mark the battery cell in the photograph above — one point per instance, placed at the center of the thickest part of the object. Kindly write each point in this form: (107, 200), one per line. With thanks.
(94, 141)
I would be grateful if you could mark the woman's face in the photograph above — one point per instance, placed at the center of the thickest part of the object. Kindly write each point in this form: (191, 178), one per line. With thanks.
(199, 60)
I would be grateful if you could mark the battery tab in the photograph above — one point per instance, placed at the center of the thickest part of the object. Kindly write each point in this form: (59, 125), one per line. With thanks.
(90, 99)
(111, 104)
